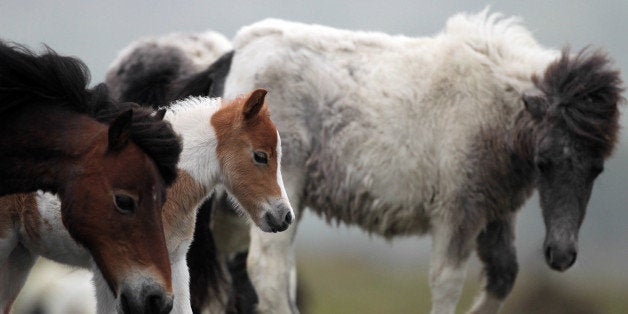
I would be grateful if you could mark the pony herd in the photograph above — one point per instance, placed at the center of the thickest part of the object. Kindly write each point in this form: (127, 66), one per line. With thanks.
(446, 135)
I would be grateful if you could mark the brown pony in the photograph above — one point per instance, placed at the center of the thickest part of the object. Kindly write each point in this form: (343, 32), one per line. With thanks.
(109, 163)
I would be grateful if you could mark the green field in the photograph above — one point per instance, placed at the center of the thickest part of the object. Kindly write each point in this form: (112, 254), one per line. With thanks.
(343, 284)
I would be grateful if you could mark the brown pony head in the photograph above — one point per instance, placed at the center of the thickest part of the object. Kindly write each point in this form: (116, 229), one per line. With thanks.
(118, 218)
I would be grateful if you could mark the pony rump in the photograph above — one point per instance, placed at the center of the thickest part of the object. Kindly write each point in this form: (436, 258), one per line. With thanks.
(583, 91)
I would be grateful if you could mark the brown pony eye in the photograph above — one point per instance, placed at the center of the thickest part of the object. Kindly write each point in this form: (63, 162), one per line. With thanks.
(260, 158)
(124, 203)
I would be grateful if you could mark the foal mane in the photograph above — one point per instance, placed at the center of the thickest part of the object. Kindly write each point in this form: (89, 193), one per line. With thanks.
(59, 81)
(583, 91)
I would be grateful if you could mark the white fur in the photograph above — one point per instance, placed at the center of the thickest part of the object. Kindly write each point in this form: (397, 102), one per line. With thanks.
(352, 98)
(191, 119)
(57, 289)
(181, 283)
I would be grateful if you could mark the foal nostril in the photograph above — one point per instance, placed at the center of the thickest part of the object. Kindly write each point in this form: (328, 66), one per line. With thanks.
(288, 218)
(158, 303)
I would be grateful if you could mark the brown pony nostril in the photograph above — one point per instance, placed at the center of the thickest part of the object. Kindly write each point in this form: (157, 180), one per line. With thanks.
(124, 302)
(158, 303)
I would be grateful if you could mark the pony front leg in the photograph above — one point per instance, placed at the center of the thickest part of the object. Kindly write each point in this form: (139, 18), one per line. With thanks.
(181, 286)
(496, 250)
(272, 269)
(13, 273)
(105, 299)
(449, 257)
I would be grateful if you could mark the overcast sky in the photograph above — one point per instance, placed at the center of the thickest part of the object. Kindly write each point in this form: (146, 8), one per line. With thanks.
(96, 30)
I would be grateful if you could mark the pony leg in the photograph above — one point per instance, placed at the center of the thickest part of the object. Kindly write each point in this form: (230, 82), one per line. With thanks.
(105, 300)
(13, 273)
(496, 250)
(181, 286)
(450, 254)
(272, 270)
(271, 261)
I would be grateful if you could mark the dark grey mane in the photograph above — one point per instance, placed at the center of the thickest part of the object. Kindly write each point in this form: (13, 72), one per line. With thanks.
(583, 92)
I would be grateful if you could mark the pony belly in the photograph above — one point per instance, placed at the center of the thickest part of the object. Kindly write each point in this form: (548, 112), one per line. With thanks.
(373, 216)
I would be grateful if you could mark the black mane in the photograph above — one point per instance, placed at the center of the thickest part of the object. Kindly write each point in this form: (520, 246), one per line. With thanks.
(583, 91)
(49, 79)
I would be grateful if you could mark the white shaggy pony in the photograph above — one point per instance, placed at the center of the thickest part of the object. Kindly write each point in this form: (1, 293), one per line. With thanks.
(433, 135)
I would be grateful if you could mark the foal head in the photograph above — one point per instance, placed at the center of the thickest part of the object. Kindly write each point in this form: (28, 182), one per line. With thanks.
(113, 204)
(249, 156)
(575, 121)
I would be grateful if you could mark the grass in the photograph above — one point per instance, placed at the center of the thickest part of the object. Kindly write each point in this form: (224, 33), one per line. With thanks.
(343, 284)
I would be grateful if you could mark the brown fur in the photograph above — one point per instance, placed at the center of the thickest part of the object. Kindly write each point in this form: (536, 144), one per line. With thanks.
(179, 212)
(12, 210)
(238, 128)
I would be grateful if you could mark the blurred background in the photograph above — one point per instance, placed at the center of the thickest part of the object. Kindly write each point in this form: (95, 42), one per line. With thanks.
(343, 269)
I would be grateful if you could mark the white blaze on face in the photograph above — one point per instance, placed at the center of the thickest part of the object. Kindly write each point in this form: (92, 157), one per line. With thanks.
(284, 195)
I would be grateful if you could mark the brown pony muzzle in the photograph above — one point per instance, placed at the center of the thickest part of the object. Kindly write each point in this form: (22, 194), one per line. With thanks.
(145, 296)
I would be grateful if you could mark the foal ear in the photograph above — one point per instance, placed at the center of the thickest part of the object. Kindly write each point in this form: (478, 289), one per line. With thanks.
(254, 103)
(120, 130)
(535, 103)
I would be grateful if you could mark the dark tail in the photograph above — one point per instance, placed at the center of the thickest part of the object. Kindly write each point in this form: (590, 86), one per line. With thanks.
(26, 77)
(210, 82)
(206, 276)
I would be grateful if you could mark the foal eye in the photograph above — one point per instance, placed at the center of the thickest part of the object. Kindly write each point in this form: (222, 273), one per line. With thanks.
(124, 203)
(260, 158)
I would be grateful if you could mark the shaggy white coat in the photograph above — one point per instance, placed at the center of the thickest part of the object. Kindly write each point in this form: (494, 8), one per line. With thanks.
(376, 129)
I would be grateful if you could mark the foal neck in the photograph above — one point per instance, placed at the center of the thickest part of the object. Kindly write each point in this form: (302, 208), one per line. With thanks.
(191, 119)
(41, 146)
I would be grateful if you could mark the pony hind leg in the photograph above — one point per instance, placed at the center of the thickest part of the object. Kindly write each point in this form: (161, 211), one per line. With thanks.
(497, 252)
(13, 274)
